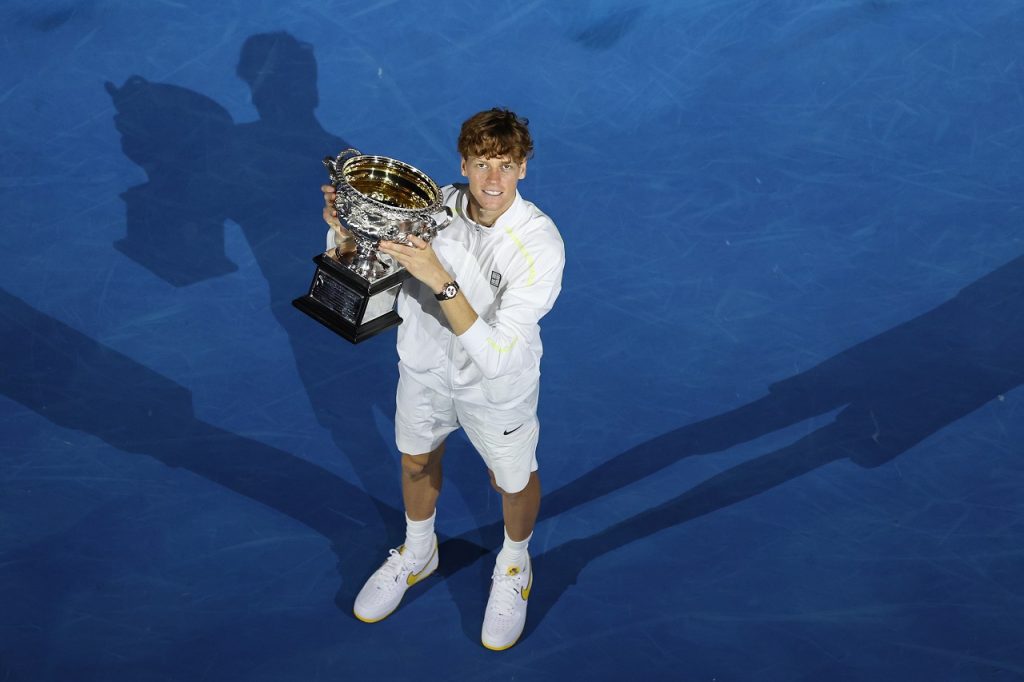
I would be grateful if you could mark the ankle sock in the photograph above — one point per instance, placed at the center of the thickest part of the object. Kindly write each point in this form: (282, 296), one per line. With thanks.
(419, 536)
(513, 553)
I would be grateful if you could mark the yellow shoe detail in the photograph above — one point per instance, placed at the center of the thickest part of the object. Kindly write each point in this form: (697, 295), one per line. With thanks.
(416, 577)
(367, 620)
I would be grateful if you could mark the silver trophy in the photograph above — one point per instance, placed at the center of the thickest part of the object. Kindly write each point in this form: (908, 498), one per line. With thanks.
(377, 199)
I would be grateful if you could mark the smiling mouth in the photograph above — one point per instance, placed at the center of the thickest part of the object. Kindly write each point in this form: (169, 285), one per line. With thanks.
(492, 193)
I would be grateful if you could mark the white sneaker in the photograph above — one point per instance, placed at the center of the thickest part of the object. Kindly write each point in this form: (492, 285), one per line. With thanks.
(505, 616)
(384, 590)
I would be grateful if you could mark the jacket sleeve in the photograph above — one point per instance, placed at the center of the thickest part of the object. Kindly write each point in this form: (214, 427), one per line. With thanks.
(502, 348)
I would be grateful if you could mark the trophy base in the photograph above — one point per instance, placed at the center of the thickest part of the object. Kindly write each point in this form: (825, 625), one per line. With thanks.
(348, 304)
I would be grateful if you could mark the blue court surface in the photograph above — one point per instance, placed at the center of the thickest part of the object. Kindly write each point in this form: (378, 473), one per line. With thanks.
(782, 427)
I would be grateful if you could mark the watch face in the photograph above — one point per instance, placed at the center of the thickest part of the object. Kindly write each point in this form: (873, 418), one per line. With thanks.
(450, 291)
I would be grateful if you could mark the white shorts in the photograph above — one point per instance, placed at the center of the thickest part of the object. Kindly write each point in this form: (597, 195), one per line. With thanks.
(505, 438)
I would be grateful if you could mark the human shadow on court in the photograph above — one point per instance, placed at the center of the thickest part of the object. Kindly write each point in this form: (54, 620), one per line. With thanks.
(898, 388)
(265, 175)
(203, 170)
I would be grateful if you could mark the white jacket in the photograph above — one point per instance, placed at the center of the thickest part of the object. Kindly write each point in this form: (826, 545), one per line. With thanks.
(511, 273)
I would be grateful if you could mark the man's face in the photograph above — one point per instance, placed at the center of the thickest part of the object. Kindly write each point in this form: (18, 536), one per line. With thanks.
(492, 185)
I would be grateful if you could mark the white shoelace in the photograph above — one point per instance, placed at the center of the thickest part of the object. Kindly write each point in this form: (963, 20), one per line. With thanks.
(392, 569)
(507, 589)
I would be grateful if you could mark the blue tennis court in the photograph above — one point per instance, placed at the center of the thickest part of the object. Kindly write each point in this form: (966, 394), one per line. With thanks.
(782, 429)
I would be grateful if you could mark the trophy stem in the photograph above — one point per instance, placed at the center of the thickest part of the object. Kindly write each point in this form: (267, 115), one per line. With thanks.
(367, 260)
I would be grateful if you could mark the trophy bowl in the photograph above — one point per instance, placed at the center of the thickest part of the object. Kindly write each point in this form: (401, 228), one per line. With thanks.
(378, 199)
(382, 199)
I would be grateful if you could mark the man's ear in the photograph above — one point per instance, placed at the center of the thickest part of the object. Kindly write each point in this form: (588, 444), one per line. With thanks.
(522, 169)
(463, 167)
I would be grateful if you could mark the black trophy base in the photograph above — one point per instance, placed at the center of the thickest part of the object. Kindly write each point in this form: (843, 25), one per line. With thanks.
(348, 304)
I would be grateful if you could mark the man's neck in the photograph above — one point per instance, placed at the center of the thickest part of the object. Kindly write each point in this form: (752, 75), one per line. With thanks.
(474, 213)
(482, 217)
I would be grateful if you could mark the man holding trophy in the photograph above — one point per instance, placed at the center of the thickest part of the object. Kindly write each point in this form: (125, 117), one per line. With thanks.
(469, 356)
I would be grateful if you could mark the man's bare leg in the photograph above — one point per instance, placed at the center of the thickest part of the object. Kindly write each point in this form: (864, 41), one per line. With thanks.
(421, 483)
(520, 509)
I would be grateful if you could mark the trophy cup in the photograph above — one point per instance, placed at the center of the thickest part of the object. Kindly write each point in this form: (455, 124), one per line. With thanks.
(377, 199)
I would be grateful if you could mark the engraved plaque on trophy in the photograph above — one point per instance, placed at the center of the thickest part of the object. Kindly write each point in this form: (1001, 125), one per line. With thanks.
(377, 198)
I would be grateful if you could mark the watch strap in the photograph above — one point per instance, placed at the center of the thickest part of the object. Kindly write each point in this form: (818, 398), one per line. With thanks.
(449, 291)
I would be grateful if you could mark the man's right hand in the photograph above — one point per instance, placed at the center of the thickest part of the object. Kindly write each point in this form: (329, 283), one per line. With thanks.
(342, 237)
(330, 215)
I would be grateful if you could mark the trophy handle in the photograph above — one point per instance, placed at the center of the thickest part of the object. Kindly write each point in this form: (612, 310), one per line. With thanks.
(333, 165)
(441, 219)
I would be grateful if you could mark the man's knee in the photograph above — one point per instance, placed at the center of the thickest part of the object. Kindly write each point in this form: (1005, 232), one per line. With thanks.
(417, 466)
(519, 490)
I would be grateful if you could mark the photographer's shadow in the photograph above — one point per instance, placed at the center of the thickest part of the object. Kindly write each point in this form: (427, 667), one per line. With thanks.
(203, 170)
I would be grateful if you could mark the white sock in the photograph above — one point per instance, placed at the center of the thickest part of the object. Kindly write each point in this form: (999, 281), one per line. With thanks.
(513, 553)
(419, 536)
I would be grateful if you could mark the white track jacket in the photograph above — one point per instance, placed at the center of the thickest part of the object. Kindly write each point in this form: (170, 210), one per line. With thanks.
(511, 273)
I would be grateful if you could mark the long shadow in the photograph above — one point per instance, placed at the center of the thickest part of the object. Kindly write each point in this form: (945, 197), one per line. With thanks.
(900, 387)
(204, 169)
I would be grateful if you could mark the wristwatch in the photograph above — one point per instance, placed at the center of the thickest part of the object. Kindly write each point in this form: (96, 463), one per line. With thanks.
(448, 291)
